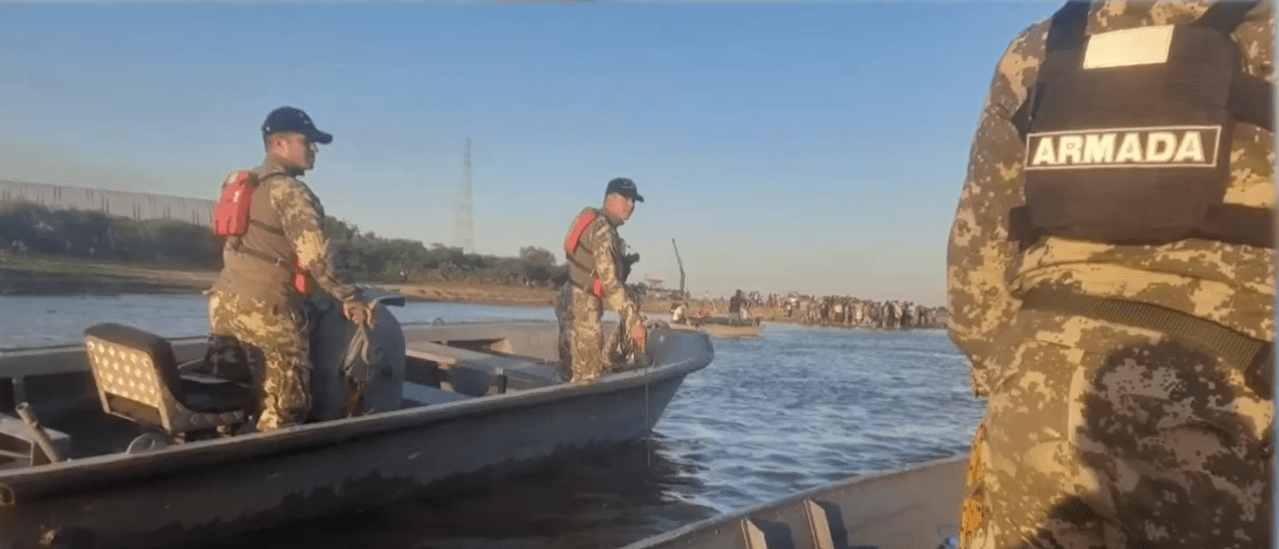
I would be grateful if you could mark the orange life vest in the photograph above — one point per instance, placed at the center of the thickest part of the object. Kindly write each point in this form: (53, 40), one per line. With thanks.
(231, 219)
(581, 259)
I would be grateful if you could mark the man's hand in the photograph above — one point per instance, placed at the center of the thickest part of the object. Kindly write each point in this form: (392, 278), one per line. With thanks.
(358, 312)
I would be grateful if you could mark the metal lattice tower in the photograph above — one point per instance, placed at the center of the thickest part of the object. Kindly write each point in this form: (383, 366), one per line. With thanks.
(464, 226)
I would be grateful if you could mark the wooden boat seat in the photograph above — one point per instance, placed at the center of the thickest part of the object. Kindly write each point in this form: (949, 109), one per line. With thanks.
(476, 373)
(416, 394)
(137, 379)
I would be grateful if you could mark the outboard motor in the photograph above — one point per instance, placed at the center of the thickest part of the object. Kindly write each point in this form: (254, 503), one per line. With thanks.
(349, 361)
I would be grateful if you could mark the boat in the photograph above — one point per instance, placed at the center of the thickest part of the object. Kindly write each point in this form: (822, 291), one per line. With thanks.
(715, 326)
(722, 327)
(126, 441)
(915, 507)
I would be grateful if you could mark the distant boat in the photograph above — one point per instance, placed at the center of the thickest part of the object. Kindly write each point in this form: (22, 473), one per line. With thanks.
(112, 443)
(916, 507)
(722, 327)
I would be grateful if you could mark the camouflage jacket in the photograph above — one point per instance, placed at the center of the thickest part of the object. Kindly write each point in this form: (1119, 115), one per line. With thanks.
(1229, 284)
(299, 214)
(607, 246)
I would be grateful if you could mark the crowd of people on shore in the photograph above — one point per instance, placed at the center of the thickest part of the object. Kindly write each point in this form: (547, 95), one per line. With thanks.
(830, 310)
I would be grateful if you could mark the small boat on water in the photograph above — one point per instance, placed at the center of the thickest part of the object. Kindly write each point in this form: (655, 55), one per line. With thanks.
(915, 507)
(126, 441)
(715, 326)
(722, 327)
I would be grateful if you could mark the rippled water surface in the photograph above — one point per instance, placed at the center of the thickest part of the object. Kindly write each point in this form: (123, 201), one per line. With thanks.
(797, 408)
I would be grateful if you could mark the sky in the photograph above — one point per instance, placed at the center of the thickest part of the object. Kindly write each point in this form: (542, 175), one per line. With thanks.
(816, 147)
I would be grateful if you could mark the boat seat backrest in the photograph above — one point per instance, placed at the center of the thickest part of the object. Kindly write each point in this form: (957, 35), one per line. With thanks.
(137, 378)
(138, 362)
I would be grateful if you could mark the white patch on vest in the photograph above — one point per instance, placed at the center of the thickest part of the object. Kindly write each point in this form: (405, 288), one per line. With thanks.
(1127, 47)
(1154, 147)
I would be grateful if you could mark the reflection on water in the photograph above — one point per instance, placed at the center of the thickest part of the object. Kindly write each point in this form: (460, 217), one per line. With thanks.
(587, 499)
(797, 408)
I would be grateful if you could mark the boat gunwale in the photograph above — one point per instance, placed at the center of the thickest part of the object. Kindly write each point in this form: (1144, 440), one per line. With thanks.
(18, 486)
(16, 352)
(793, 499)
(721, 331)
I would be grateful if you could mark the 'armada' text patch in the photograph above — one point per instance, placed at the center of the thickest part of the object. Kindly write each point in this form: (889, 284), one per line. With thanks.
(1153, 147)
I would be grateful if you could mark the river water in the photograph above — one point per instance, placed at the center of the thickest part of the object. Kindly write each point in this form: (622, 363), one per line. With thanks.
(799, 407)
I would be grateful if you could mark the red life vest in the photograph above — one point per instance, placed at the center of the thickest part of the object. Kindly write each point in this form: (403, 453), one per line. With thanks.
(231, 214)
(581, 260)
(231, 219)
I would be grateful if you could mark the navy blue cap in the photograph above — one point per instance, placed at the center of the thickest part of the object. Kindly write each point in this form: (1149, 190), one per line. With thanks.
(624, 187)
(289, 119)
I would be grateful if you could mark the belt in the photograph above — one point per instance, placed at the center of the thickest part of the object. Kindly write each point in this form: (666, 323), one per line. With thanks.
(1254, 355)
(262, 256)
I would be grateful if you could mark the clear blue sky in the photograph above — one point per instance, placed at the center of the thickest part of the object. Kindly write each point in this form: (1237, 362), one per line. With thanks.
(815, 147)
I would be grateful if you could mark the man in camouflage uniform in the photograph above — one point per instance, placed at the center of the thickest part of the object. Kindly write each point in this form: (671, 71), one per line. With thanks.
(256, 301)
(1104, 428)
(595, 261)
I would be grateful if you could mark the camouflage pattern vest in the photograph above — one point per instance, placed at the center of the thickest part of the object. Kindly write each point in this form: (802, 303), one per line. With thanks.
(260, 262)
(579, 252)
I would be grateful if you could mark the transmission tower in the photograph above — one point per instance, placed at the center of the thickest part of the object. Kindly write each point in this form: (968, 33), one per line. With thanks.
(464, 227)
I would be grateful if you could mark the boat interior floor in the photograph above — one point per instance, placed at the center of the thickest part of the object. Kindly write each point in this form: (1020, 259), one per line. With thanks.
(136, 394)
(77, 428)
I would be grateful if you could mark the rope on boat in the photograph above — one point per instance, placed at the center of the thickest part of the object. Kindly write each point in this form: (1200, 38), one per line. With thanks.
(648, 427)
(357, 367)
(648, 365)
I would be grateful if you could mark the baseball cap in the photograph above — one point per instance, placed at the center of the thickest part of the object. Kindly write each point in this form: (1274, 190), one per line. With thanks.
(289, 119)
(624, 187)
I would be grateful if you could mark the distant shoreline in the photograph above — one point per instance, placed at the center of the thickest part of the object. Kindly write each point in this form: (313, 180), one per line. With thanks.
(46, 276)
(42, 276)
(53, 276)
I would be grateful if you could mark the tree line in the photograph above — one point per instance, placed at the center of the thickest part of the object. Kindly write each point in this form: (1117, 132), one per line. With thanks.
(33, 228)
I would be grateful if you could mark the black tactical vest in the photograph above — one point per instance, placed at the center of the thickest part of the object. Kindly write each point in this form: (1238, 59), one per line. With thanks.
(1128, 133)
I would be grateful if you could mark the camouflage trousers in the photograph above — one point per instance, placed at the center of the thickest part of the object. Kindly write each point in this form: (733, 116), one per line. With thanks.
(276, 342)
(972, 509)
(564, 316)
(585, 354)
(1101, 435)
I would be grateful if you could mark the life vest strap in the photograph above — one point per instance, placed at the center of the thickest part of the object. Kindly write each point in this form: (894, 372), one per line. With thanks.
(299, 270)
(1228, 223)
(263, 256)
(584, 220)
(268, 228)
(1252, 101)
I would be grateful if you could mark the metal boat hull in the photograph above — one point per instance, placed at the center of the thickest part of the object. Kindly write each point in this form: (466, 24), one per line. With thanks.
(915, 507)
(722, 330)
(728, 332)
(212, 489)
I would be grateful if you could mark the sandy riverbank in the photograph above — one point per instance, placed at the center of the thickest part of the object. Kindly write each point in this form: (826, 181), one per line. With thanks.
(55, 276)
(26, 275)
